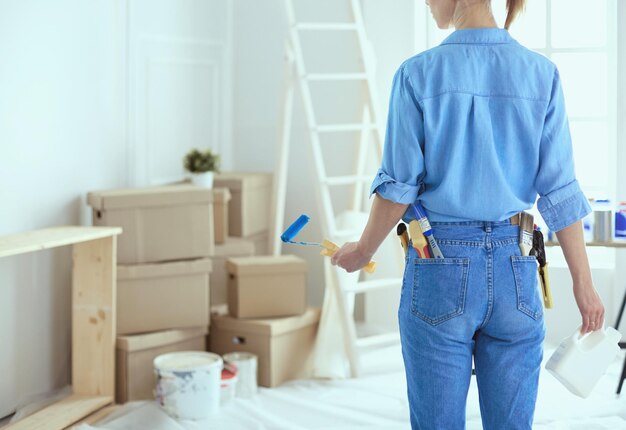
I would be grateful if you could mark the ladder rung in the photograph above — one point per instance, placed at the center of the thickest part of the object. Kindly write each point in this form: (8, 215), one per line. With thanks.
(326, 26)
(338, 234)
(374, 284)
(344, 127)
(378, 339)
(335, 76)
(347, 180)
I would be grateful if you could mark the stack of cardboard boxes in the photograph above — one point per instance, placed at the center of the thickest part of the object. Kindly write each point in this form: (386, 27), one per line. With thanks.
(267, 316)
(163, 272)
(178, 237)
(266, 311)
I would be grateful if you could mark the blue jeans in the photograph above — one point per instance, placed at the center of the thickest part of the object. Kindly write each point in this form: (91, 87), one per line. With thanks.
(481, 300)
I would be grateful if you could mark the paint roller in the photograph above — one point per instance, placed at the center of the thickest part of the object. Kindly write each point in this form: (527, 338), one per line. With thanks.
(329, 247)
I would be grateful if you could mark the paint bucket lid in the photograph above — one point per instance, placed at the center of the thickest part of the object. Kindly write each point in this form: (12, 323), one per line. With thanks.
(229, 371)
(187, 360)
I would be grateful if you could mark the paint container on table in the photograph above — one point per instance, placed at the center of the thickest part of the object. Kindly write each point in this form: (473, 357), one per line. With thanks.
(580, 361)
(228, 387)
(188, 383)
(620, 221)
(246, 363)
(603, 221)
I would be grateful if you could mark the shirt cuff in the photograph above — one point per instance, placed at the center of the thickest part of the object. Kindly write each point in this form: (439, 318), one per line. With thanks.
(563, 206)
(390, 189)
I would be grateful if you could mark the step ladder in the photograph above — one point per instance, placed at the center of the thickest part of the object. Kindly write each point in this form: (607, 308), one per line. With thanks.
(341, 288)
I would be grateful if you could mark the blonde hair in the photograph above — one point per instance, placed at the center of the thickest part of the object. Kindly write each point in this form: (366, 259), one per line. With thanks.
(513, 8)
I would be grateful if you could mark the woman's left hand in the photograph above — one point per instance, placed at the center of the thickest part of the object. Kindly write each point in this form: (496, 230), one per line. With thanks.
(351, 257)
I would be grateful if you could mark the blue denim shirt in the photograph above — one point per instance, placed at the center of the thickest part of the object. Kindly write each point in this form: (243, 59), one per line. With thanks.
(476, 129)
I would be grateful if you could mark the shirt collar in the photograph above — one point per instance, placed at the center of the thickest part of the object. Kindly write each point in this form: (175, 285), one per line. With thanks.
(489, 35)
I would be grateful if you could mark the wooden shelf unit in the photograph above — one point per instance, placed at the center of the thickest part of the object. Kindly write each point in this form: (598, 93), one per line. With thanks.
(94, 256)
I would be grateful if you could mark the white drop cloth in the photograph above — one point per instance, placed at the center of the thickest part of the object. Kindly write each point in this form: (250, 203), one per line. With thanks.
(377, 401)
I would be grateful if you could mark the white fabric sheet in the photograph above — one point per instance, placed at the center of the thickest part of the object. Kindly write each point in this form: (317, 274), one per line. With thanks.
(377, 401)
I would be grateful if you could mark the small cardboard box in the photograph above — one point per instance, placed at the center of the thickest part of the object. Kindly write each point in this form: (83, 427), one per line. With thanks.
(163, 296)
(221, 197)
(134, 371)
(249, 207)
(233, 247)
(172, 222)
(261, 242)
(266, 286)
(284, 346)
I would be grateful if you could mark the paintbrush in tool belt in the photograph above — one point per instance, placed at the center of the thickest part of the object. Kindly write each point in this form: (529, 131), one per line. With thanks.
(526, 227)
(539, 251)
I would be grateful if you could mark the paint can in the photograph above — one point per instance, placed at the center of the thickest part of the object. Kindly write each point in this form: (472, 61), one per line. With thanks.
(229, 383)
(603, 222)
(246, 363)
(188, 383)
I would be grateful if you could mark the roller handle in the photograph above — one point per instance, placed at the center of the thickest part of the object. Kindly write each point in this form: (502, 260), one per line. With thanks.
(330, 248)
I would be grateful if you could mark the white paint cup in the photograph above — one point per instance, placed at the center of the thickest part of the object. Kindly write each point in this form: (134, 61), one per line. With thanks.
(188, 383)
(246, 363)
(229, 383)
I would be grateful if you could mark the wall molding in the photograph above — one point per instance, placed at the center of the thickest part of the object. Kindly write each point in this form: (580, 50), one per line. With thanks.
(145, 51)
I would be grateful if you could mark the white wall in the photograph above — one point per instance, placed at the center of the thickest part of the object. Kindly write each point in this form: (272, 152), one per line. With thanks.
(73, 107)
(59, 136)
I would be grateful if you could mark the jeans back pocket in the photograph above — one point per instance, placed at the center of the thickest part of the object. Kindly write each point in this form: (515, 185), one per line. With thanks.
(439, 287)
(529, 300)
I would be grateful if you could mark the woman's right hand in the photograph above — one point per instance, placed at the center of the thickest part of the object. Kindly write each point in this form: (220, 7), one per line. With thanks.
(590, 306)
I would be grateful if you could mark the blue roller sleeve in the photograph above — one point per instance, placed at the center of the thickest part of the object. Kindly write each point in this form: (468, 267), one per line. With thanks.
(294, 228)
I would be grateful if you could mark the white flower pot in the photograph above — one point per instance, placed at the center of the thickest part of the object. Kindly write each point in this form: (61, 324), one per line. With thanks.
(202, 179)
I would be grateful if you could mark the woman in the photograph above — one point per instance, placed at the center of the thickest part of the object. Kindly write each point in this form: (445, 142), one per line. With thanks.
(476, 129)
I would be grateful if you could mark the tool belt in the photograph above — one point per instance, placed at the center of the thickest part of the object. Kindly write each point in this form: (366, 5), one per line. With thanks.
(530, 242)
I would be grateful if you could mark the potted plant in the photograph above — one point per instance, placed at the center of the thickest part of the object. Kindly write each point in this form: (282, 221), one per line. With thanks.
(201, 165)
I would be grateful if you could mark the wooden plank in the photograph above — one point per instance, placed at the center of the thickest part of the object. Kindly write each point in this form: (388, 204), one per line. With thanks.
(53, 237)
(614, 244)
(62, 413)
(93, 317)
(97, 416)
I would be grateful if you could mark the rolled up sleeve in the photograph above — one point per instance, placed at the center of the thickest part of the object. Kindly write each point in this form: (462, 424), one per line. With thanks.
(398, 178)
(561, 201)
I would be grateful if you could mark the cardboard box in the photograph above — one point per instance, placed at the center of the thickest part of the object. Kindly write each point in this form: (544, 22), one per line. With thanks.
(221, 197)
(134, 355)
(284, 346)
(163, 296)
(261, 242)
(249, 207)
(173, 222)
(266, 286)
(233, 247)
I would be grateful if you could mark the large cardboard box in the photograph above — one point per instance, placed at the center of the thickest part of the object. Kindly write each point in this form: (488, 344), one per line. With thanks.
(249, 207)
(266, 286)
(221, 197)
(163, 296)
(284, 346)
(233, 247)
(134, 371)
(173, 222)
